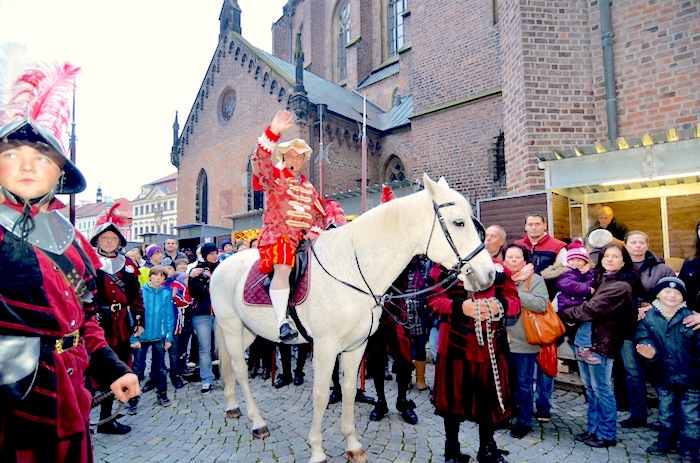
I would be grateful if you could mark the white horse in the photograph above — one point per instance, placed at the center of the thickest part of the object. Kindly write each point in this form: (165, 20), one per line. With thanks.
(352, 266)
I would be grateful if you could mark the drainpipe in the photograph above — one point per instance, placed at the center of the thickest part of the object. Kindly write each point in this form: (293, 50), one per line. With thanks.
(608, 68)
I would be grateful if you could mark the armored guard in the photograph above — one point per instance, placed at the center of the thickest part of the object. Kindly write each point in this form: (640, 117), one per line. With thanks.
(119, 301)
(50, 341)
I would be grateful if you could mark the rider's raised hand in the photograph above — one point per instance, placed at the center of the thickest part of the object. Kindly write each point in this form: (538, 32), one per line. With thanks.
(283, 121)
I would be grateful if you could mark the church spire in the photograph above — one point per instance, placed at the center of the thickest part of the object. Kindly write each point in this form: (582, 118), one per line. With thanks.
(299, 59)
(299, 101)
(229, 18)
(174, 158)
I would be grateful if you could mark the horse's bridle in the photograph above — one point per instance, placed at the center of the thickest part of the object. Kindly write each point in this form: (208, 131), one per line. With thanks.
(461, 261)
(451, 273)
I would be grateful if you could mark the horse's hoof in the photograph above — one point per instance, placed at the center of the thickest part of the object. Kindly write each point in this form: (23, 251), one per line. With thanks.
(261, 433)
(357, 456)
(235, 413)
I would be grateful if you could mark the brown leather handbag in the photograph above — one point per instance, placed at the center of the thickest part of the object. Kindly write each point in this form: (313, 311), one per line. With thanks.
(541, 328)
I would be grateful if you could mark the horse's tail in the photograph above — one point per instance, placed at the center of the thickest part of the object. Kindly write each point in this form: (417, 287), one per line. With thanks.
(224, 357)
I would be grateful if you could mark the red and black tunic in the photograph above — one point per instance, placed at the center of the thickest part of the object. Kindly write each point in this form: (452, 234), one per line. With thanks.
(465, 385)
(117, 296)
(37, 300)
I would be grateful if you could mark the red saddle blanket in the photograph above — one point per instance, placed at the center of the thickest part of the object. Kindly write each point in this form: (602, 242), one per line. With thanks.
(255, 292)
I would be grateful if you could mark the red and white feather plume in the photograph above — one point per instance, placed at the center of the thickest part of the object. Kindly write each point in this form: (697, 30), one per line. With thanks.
(387, 194)
(334, 213)
(44, 91)
(112, 216)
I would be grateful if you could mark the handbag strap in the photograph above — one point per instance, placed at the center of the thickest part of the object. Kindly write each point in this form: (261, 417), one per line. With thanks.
(527, 284)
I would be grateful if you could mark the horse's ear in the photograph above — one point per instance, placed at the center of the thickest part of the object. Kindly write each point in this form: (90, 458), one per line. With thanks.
(429, 184)
(443, 183)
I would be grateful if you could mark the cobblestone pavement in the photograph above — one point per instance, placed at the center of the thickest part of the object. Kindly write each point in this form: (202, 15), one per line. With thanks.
(195, 429)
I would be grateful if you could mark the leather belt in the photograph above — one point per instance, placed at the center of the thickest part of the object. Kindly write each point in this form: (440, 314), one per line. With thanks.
(114, 308)
(68, 342)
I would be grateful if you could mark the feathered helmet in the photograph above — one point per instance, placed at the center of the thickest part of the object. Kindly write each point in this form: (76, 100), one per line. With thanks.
(109, 221)
(34, 109)
(387, 194)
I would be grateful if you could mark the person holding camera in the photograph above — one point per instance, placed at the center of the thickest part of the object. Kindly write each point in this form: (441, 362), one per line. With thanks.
(202, 313)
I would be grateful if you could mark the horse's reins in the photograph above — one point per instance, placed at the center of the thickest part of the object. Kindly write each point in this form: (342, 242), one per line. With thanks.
(451, 273)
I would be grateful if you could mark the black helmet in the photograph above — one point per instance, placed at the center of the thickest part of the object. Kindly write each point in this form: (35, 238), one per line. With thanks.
(109, 221)
(28, 130)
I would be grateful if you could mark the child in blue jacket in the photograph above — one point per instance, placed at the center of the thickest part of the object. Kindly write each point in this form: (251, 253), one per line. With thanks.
(158, 334)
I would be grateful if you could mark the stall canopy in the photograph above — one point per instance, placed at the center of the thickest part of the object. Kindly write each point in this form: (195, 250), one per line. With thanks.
(651, 182)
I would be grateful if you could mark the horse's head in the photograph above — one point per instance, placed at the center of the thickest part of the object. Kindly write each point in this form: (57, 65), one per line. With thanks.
(456, 237)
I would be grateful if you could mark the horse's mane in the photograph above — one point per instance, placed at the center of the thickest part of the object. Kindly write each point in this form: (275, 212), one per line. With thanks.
(388, 218)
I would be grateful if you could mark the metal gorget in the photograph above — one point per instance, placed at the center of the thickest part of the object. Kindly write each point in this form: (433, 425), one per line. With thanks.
(112, 265)
(52, 232)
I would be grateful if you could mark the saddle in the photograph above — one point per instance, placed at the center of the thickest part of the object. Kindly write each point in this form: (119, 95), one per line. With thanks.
(257, 285)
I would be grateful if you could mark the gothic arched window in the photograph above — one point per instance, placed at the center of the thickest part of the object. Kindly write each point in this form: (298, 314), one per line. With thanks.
(343, 35)
(396, 9)
(394, 170)
(201, 201)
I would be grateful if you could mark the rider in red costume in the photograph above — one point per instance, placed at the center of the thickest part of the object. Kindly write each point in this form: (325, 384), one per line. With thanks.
(293, 210)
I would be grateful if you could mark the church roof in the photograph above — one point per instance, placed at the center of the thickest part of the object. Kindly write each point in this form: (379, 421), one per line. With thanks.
(341, 101)
(381, 74)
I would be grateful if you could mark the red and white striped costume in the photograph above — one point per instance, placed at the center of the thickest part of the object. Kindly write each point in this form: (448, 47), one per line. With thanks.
(292, 205)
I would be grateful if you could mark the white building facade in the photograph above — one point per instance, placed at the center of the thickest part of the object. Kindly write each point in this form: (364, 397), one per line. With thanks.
(155, 209)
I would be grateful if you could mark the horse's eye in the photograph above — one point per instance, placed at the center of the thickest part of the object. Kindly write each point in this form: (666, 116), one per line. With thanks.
(459, 223)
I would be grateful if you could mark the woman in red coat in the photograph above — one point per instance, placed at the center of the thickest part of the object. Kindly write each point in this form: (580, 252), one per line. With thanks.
(47, 283)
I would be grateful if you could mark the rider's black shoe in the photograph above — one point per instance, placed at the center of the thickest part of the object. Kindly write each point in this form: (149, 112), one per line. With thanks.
(287, 333)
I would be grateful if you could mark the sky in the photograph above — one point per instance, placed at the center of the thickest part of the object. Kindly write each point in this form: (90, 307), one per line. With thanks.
(141, 61)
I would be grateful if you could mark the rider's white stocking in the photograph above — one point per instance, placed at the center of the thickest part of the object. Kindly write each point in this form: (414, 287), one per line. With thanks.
(280, 299)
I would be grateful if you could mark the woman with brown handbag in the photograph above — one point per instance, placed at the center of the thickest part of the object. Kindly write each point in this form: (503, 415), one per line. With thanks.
(535, 298)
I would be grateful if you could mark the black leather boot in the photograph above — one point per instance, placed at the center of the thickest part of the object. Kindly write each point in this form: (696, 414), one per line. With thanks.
(453, 454)
(298, 378)
(336, 396)
(282, 380)
(406, 407)
(113, 427)
(490, 453)
(380, 411)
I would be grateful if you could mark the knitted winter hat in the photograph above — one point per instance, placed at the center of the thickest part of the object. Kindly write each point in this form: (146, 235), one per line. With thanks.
(181, 277)
(670, 282)
(577, 250)
(152, 249)
(599, 238)
(208, 248)
(224, 243)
